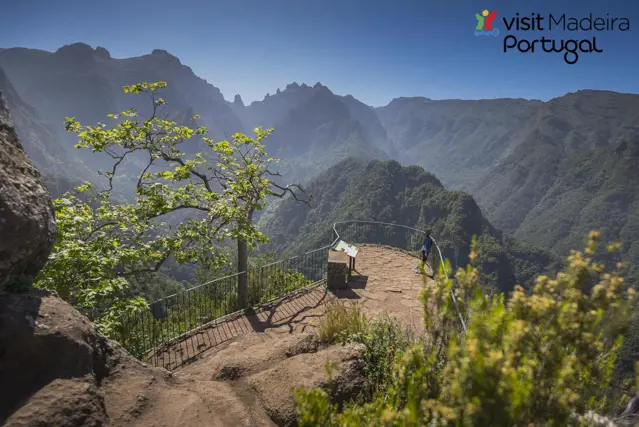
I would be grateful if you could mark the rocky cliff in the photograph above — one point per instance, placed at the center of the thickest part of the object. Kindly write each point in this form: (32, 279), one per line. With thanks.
(26, 215)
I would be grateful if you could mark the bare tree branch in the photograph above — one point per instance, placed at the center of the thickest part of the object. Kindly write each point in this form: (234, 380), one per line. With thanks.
(151, 160)
(289, 189)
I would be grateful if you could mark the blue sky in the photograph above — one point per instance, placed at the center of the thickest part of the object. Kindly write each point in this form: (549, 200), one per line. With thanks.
(375, 50)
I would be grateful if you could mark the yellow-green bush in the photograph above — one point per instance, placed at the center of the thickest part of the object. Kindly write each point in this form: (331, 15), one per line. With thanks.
(341, 321)
(541, 358)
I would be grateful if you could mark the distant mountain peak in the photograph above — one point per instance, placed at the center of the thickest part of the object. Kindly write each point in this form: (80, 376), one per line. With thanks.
(238, 100)
(320, 88)
(410, 98)
(292, 86)
(82, 50)
(76, 48)
(102, 52)
(163, 53)
(160, 52)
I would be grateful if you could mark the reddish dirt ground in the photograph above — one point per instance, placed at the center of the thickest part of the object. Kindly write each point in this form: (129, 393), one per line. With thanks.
(239, 372)
(385, 282)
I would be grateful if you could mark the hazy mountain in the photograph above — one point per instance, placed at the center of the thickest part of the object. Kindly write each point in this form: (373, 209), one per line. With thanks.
(387, 192)
(314, 128)
(79, 81)
(546, 171)
(455, 139)
(43, 145)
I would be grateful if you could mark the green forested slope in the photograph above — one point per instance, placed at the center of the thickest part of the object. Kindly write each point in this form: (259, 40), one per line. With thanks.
(385, 191)
(547, 172)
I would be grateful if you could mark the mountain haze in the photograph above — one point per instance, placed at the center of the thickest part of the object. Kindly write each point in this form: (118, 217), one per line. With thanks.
(545, 172)
(548, 172)
(314, 128)
(45, 147)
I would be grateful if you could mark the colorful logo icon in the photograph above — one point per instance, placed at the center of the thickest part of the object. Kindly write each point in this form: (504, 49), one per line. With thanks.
(485, 23)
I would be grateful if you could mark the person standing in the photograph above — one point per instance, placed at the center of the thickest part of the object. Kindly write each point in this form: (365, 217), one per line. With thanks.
(428, 244)
(424, 252)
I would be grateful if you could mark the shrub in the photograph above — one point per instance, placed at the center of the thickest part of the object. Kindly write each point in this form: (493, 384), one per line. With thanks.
(342, 321)
(543, 358)
(384, 339)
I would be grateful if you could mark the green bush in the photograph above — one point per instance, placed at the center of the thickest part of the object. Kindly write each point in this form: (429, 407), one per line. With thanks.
(384, 339)
(544, 358)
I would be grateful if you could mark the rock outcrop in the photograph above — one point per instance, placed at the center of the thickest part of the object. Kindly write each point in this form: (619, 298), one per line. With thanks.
(61, 372)
(267, 370)
(26, 215)
(275, 387)
(238, 101)
(51, 360)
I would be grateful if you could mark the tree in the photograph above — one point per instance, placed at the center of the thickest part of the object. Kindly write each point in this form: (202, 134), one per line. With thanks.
(89, 249)
(244, 167)
(184, 207)
(221, 189)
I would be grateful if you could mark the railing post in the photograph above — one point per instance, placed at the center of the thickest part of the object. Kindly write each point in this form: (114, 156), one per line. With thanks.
(242, 269)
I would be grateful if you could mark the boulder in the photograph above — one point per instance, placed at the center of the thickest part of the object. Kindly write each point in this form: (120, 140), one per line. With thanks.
(249, 354)
(275, 387)
(57, 370)
(26, 215)
(62, 403)
(42, 339)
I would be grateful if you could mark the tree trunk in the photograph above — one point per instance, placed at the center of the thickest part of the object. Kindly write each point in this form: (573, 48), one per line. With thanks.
(242, 268)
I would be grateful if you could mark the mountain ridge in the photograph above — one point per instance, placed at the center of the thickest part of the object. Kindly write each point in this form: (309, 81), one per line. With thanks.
(527, 163)
(45, 149)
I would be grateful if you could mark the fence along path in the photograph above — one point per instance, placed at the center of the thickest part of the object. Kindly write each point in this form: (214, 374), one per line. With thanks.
(177, 328)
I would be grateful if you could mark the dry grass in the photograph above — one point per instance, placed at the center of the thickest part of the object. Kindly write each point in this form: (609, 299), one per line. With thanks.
(341, 318)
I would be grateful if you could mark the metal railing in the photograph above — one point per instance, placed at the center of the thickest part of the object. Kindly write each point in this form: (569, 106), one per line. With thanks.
(382, 233)
(176, 317)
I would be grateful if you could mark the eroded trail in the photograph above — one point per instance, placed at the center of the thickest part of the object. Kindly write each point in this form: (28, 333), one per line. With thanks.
(241, 371)
(385, 281)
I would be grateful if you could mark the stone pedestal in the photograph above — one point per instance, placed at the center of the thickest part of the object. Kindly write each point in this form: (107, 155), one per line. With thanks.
(337, 270)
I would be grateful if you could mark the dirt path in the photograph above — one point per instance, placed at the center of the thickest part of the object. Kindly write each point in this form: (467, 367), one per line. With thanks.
(240, 372)
(384, 282)
(387, 283)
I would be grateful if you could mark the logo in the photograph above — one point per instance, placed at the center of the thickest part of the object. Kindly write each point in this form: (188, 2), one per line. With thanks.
(572, 48)
(485, 24)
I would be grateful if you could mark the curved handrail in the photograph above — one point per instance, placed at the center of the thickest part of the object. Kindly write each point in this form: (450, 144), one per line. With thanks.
(452, 293)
